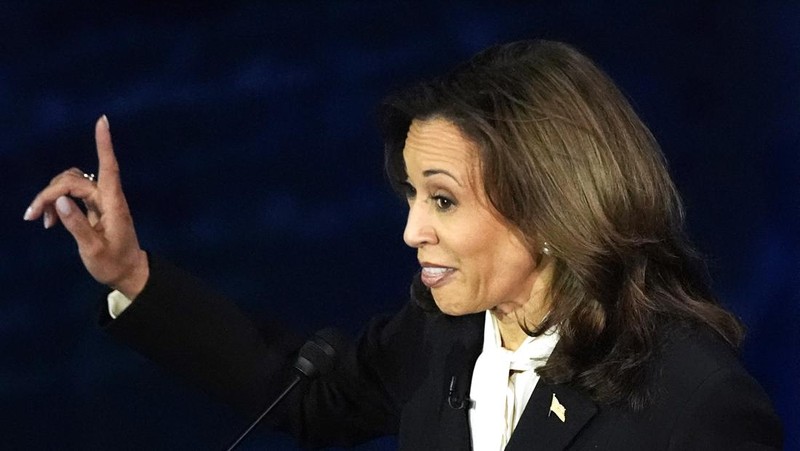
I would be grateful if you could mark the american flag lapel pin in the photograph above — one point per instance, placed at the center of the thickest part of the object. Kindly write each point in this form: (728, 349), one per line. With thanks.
(558, 409)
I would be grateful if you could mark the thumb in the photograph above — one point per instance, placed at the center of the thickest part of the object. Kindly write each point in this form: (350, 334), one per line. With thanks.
(75, 222)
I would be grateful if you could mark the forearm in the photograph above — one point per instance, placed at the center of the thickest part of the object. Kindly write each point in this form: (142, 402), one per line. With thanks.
(200, 336)
(190, 330)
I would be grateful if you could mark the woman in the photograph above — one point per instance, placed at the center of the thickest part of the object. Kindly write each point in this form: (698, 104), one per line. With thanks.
(558, 304)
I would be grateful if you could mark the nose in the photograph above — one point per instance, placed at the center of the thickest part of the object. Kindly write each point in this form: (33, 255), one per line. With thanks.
(419, 229)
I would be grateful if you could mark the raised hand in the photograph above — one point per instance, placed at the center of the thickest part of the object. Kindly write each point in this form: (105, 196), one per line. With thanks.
(105, 235)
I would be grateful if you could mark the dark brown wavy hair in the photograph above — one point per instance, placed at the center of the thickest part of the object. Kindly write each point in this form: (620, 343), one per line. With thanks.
(566, 160)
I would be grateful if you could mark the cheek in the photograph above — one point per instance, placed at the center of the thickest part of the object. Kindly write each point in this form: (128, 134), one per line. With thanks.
(505, 272)
(496, 253)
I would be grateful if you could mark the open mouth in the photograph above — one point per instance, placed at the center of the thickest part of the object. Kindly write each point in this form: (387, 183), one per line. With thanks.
(435, 276)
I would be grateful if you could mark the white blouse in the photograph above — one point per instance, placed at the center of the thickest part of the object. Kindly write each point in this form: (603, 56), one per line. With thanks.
(502, 383)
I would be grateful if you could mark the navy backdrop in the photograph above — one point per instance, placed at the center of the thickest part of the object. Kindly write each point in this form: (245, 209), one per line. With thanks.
(250, 155)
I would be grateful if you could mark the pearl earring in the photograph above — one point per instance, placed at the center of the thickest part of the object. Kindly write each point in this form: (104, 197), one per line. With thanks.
(546, 249)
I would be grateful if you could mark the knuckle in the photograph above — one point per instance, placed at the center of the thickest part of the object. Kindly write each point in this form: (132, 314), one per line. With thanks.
(69, 173)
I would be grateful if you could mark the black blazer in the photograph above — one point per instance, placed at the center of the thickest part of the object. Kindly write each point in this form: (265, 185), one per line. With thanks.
(410, 374)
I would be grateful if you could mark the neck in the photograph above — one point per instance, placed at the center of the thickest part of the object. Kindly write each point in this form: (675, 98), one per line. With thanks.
(529, 314)
(511, 325)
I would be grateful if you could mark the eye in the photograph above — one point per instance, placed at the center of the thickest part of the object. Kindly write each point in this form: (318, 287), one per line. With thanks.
(408, 191)
(443, 203)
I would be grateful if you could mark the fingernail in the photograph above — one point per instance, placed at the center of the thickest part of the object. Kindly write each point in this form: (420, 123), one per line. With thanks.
(63, 206)
(48, 220)
(28, 214)
(104, 118)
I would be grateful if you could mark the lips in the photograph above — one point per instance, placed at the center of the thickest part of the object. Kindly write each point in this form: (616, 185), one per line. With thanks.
(435, 276)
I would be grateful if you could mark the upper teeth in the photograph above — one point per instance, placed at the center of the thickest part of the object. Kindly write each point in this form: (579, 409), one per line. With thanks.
(434, 271)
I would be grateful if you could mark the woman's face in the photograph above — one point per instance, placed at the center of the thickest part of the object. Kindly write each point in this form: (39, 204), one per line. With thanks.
(471, 258)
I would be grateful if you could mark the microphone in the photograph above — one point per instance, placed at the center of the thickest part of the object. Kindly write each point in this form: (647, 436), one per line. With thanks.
(316, 358)
(457, 401)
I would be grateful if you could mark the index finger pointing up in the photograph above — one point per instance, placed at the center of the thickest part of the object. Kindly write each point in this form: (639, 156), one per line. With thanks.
(108, 170)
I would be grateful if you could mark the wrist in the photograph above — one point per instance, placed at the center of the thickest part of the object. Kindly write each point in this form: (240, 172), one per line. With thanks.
(133, 284)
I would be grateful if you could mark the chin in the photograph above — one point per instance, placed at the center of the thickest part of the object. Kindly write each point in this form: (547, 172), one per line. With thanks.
(453, 308)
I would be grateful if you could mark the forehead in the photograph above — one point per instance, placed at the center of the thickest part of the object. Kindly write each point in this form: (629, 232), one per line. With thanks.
(438, 142)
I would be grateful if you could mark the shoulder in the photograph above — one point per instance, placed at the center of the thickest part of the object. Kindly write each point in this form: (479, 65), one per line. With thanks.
(701, 398)
(690, 354)
(706, 395)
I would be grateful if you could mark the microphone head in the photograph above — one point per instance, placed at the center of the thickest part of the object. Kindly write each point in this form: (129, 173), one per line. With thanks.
(318, 355)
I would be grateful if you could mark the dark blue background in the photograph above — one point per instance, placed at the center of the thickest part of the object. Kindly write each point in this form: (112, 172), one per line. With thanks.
(250, 156)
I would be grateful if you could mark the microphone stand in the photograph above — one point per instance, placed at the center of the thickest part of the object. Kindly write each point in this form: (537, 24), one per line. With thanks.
(280, 397)
(316, 357)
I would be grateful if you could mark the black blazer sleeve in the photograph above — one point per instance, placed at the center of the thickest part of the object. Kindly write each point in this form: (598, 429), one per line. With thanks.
(193, 332)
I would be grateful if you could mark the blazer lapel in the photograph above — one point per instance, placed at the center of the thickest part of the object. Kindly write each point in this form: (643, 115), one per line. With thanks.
(541, 427)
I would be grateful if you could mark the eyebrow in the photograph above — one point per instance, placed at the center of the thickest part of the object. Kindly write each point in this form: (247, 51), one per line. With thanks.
(431, 172)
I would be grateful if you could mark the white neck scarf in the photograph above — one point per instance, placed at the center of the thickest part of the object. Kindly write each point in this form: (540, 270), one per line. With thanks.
(499, 396)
